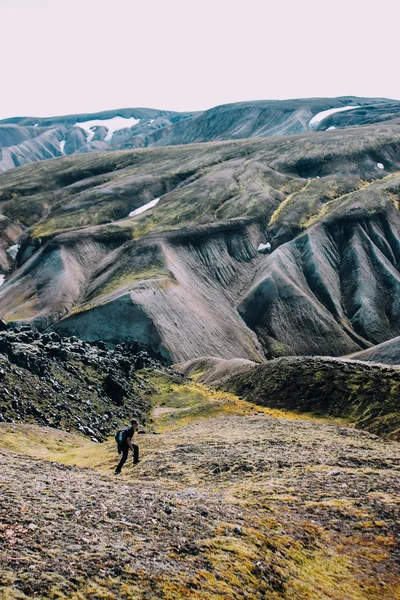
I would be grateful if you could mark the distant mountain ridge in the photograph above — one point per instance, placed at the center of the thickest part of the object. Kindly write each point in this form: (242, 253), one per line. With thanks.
(31, 139)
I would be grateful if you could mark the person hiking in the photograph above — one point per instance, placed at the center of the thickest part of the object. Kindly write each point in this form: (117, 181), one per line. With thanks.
(126, 444)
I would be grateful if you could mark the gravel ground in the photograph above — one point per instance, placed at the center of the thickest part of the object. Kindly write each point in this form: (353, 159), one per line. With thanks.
(233, 506)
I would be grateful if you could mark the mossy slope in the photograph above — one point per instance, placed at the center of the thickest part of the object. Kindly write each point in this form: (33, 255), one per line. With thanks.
(365, 394)
(233, 502)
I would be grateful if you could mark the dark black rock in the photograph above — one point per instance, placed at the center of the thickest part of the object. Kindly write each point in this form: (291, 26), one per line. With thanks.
(116, 386)
(45, 339)
(143, 361)
(24, 338)
(101, 345)
(56, 351)
(28, 357)
(125, 364)
(23, 328)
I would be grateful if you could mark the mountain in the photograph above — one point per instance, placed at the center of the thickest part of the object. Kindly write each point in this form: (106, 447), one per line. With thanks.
(31, 139)
(269, 269)
(387, 353)
(248, 249)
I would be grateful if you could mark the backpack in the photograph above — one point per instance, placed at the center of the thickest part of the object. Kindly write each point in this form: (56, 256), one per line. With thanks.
(119, 438)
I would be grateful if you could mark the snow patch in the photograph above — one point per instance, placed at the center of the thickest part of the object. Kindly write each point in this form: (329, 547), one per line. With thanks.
(112, 125)
(316, 120)
(62, 146)
(2, 277)
(151, 121)
(331, 127)
(380, 165)
(13, 251)
(145, 207)
(36, 125)
(264, 248)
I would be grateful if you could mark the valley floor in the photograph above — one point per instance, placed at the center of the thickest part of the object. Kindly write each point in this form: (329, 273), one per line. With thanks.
(229, 501)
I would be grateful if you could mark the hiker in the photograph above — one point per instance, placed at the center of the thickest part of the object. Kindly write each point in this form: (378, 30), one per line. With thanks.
(126, 444)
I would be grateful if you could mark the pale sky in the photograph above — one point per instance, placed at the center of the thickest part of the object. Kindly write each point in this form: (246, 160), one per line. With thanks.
(72, 56)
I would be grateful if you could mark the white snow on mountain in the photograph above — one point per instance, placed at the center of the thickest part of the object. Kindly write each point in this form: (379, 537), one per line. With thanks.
(316, 120)
(145, 207)
(380, 165)
(264, 248)
(112, 125)
(13, 251)
(2, 277)
(62, 146)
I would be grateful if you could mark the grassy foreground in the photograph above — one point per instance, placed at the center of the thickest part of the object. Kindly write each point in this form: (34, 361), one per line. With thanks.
(229, 501)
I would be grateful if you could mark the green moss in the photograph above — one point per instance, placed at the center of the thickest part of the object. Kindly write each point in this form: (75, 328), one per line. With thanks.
(175, 404)
(178, 403)
(59, 223)
(365, 395)
(122, 279)
(284, 205)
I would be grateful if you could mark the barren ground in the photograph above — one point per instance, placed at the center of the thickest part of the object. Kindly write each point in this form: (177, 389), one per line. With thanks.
(229, 501)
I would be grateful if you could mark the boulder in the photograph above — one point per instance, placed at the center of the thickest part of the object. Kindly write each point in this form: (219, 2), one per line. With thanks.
(116, 386)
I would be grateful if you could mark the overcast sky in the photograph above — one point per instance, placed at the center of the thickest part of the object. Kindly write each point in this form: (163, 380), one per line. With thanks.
(70, 56)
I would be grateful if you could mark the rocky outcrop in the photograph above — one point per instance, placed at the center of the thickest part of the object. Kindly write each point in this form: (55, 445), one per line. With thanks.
(69, 384)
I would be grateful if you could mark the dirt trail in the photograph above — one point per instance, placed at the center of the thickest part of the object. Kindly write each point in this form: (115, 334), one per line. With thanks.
(229, 502)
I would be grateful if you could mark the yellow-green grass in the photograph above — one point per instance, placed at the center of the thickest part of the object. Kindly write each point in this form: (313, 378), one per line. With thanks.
(271, 557)
(57, 446)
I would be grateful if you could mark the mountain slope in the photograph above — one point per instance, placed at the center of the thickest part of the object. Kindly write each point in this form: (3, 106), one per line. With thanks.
(31, 139)
(185, 273)
(387, 353)
(364, 394)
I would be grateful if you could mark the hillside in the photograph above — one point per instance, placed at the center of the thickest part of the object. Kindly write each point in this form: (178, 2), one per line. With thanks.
(263, 491)
(387, 353)
(71, 385)
(31, 139)
(367, 395)
(229, 501)
(162, 246)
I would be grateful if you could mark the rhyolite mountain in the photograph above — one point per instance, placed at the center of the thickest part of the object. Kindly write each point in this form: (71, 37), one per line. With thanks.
(32, 139)
(252, 249)
(220, 255)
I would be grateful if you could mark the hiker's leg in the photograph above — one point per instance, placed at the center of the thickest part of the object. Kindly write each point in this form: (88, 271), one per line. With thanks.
(123, 459)
(135, 454)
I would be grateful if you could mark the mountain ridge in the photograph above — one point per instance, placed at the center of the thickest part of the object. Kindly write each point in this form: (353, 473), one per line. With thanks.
(31, 139)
